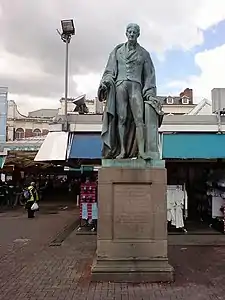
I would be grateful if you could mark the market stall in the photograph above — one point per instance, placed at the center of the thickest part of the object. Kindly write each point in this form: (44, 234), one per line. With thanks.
(196, 192)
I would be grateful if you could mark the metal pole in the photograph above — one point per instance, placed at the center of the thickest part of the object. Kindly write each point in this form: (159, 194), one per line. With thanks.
(66, 82)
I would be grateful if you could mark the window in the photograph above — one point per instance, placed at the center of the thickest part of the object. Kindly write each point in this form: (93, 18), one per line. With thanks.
(185, 100)
(19, 134)
(169, 100)
(7, 133)
(37, 132)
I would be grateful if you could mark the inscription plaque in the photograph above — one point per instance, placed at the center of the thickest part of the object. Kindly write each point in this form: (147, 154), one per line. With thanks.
(133, 213)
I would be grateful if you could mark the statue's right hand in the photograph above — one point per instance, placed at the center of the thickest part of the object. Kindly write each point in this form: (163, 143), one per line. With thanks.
(102, 92)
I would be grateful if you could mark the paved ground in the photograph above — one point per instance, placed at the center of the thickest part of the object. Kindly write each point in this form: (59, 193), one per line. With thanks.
(194, 240)
(30, 269)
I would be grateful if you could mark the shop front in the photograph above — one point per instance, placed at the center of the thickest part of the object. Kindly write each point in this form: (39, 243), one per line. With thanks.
(194, 161)
(85, 149)
(78, 154)
(196, 166)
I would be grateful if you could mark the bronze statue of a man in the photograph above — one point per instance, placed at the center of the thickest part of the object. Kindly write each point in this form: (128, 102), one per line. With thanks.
(128, 81)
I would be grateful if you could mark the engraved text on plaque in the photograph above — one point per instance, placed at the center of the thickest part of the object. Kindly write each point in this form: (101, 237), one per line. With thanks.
(133, 214)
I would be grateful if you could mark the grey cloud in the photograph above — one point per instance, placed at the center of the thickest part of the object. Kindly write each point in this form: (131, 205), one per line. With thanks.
(51, 87)
(28, 28)
(38, 87)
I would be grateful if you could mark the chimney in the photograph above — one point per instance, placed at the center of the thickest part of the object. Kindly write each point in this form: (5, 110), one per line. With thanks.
(188, 93)
(218, 100)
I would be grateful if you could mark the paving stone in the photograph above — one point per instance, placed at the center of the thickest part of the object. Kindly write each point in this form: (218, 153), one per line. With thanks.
(34, 270)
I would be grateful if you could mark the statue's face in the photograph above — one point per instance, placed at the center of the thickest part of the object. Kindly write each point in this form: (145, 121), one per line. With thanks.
(132, 34)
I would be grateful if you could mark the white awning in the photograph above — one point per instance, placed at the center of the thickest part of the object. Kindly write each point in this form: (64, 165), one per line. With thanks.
(54, 147)
(2, 161)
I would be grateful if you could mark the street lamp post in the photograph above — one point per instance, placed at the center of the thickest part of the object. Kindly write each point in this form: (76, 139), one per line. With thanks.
(68, 30)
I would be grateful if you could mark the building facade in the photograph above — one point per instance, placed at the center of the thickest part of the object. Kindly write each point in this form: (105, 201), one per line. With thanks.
(178, 105)
(174, 105)
(37, 123)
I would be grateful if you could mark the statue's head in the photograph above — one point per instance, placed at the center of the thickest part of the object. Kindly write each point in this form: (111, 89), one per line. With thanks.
(132, 32)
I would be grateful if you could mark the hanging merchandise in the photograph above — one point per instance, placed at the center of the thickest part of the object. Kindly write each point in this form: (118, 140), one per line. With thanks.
(89, 211)
(88, 200)
(170, 204)
(2, 177)
(185, 202)
(217, 206)
(175, 205)
(88, 205)
(216, 190)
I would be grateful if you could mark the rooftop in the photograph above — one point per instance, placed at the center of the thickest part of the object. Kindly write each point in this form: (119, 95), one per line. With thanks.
(43, 113)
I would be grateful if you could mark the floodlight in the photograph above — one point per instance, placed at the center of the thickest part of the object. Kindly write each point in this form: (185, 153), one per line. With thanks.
(68, 27)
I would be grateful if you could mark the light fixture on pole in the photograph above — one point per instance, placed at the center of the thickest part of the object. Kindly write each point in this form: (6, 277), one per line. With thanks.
(68, 30)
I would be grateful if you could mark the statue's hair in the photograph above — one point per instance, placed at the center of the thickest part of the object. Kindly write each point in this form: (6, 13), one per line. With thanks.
(133, 25)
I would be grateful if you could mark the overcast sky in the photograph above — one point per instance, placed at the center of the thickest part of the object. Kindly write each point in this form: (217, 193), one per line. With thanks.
(179, 35)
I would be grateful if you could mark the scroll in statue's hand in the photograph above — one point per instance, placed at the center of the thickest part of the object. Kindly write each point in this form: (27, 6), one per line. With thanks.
(150, 98)
(155, 103)
(153, 100)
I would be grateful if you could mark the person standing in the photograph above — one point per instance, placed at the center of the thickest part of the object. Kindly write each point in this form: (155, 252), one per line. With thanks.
(31, 199)
(2, 194)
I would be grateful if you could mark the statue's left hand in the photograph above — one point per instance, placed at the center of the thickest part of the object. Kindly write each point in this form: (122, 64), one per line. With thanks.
(154, 102)
(150, 97)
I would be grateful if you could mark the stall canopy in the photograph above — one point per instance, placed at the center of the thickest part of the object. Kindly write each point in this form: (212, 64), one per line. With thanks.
(59, 146)
(26, 145)
(54, 147)
(2, 161)
(24, 159)
(193, 146)
(86, 146)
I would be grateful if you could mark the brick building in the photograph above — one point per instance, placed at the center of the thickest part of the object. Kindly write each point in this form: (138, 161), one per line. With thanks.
(20, 126)
(178, 105)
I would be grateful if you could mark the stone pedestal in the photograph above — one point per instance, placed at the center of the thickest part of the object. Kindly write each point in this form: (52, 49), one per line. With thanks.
(132, 225)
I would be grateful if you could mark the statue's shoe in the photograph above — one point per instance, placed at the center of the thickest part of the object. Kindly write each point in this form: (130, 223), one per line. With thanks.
(120, 156)
(145, 156)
